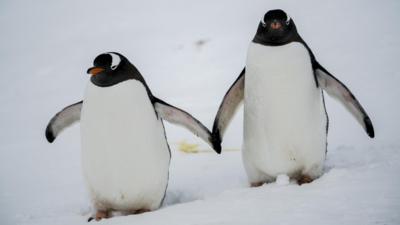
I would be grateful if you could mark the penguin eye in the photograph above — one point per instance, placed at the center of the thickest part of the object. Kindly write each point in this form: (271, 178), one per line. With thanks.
(115, 60)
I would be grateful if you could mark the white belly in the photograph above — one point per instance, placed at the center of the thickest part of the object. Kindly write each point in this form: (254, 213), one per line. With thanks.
(125, 156)
(284, 119)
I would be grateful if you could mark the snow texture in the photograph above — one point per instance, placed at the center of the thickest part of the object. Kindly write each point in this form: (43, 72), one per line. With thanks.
(190, 52)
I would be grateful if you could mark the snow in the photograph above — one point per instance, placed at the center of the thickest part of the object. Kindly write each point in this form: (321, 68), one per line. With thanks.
(189, 53)
(282, 180)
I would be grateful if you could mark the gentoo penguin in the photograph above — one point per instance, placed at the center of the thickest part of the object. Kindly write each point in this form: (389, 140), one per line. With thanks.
(285, 121)
(125, 154)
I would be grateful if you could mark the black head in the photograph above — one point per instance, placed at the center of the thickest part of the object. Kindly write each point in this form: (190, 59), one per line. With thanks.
(276, 28)
(112, 68)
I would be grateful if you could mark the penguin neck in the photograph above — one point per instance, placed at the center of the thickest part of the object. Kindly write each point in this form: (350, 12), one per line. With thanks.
(106, 80)
(293, 36)
(111, 78)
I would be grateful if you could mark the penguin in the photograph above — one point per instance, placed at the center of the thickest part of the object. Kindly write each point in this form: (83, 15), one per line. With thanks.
(285, 119)
(125, 153)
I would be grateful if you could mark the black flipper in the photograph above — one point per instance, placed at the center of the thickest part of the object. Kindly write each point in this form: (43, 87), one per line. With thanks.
(339, 91)
(63, 119)
(229, 105)
(177, 116)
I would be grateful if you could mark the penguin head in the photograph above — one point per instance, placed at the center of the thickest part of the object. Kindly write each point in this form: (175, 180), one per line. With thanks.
(275, 28)
(111, 68)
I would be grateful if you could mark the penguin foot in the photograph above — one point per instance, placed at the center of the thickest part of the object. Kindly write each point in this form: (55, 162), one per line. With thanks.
(140, 211)
(99, 216)
(256, 184)
(304, 179)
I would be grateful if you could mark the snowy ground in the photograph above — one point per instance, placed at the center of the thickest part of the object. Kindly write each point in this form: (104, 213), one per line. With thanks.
(189, 53)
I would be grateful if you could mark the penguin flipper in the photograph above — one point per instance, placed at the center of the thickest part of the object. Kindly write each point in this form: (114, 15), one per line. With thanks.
(177, 116)
(63, 119)
(339, 91)
(229, 105)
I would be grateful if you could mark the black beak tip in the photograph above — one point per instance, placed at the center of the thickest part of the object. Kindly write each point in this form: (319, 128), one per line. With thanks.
(88, 70)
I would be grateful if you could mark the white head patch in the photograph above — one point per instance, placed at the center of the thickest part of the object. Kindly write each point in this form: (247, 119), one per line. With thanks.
(287, 19)
(263, 22)
(115, 60)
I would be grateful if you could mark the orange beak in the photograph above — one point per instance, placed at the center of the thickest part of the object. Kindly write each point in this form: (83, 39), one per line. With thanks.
(276, 25)
(95, 70)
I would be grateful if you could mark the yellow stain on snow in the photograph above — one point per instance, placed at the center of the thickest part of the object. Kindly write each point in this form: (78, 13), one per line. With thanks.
(186, 147)
(190, 148)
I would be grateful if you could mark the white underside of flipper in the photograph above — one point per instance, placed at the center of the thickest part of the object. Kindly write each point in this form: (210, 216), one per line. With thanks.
(284, 115)
(125, 155)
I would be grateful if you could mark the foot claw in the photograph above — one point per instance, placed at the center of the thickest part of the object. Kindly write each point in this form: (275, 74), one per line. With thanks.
(304, 179)
(99, 216)
(140, 211)
(256, 184)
